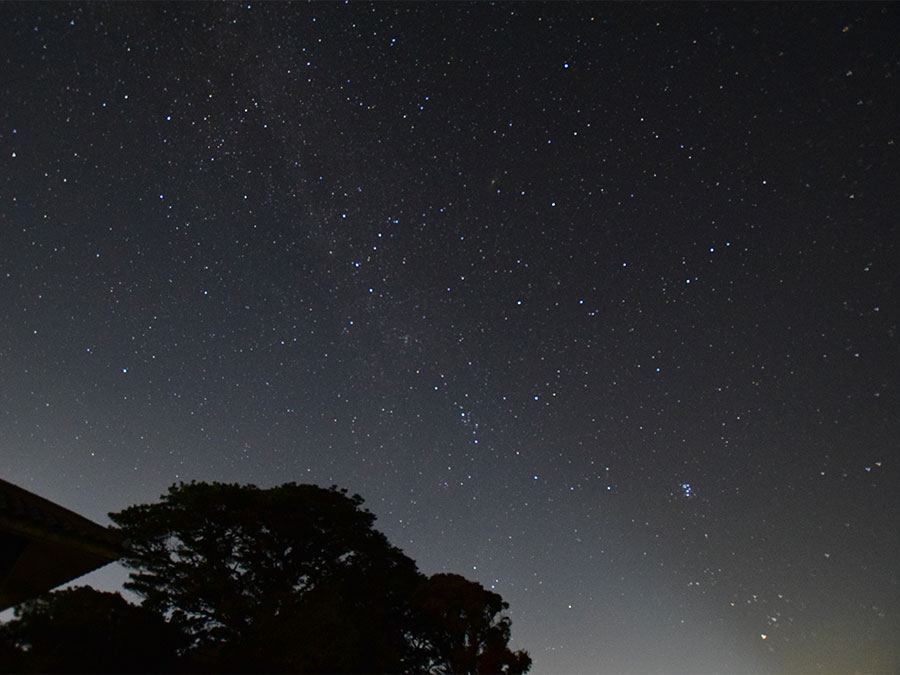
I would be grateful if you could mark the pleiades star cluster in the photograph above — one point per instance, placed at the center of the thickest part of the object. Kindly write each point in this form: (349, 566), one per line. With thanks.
(595, 304)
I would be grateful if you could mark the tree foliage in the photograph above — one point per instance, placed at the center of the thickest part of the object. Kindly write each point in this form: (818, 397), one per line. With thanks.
(81, 630)
(293, 578)
(464, 629)
(290, 578)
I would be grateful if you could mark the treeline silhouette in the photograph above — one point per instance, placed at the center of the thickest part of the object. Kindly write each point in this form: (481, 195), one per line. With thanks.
(235, 578)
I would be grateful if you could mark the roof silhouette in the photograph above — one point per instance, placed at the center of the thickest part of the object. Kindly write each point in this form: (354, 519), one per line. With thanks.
(43, 545)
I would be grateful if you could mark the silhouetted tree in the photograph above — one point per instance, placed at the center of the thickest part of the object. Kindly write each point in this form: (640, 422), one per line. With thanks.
(82, 630)
(462, 629)
(293, 578)
(290, 579)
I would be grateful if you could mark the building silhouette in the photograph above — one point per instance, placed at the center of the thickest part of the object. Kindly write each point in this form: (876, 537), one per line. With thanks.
(43, 545)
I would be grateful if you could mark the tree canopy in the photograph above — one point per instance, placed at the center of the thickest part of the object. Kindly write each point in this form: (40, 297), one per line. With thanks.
(294, 578)
(81, 630)
(464, 629)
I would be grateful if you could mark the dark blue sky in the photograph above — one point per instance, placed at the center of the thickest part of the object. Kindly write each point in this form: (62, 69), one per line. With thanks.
(593, 303)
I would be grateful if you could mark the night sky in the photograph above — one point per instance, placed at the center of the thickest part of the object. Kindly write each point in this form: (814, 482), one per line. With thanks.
(595, 304)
